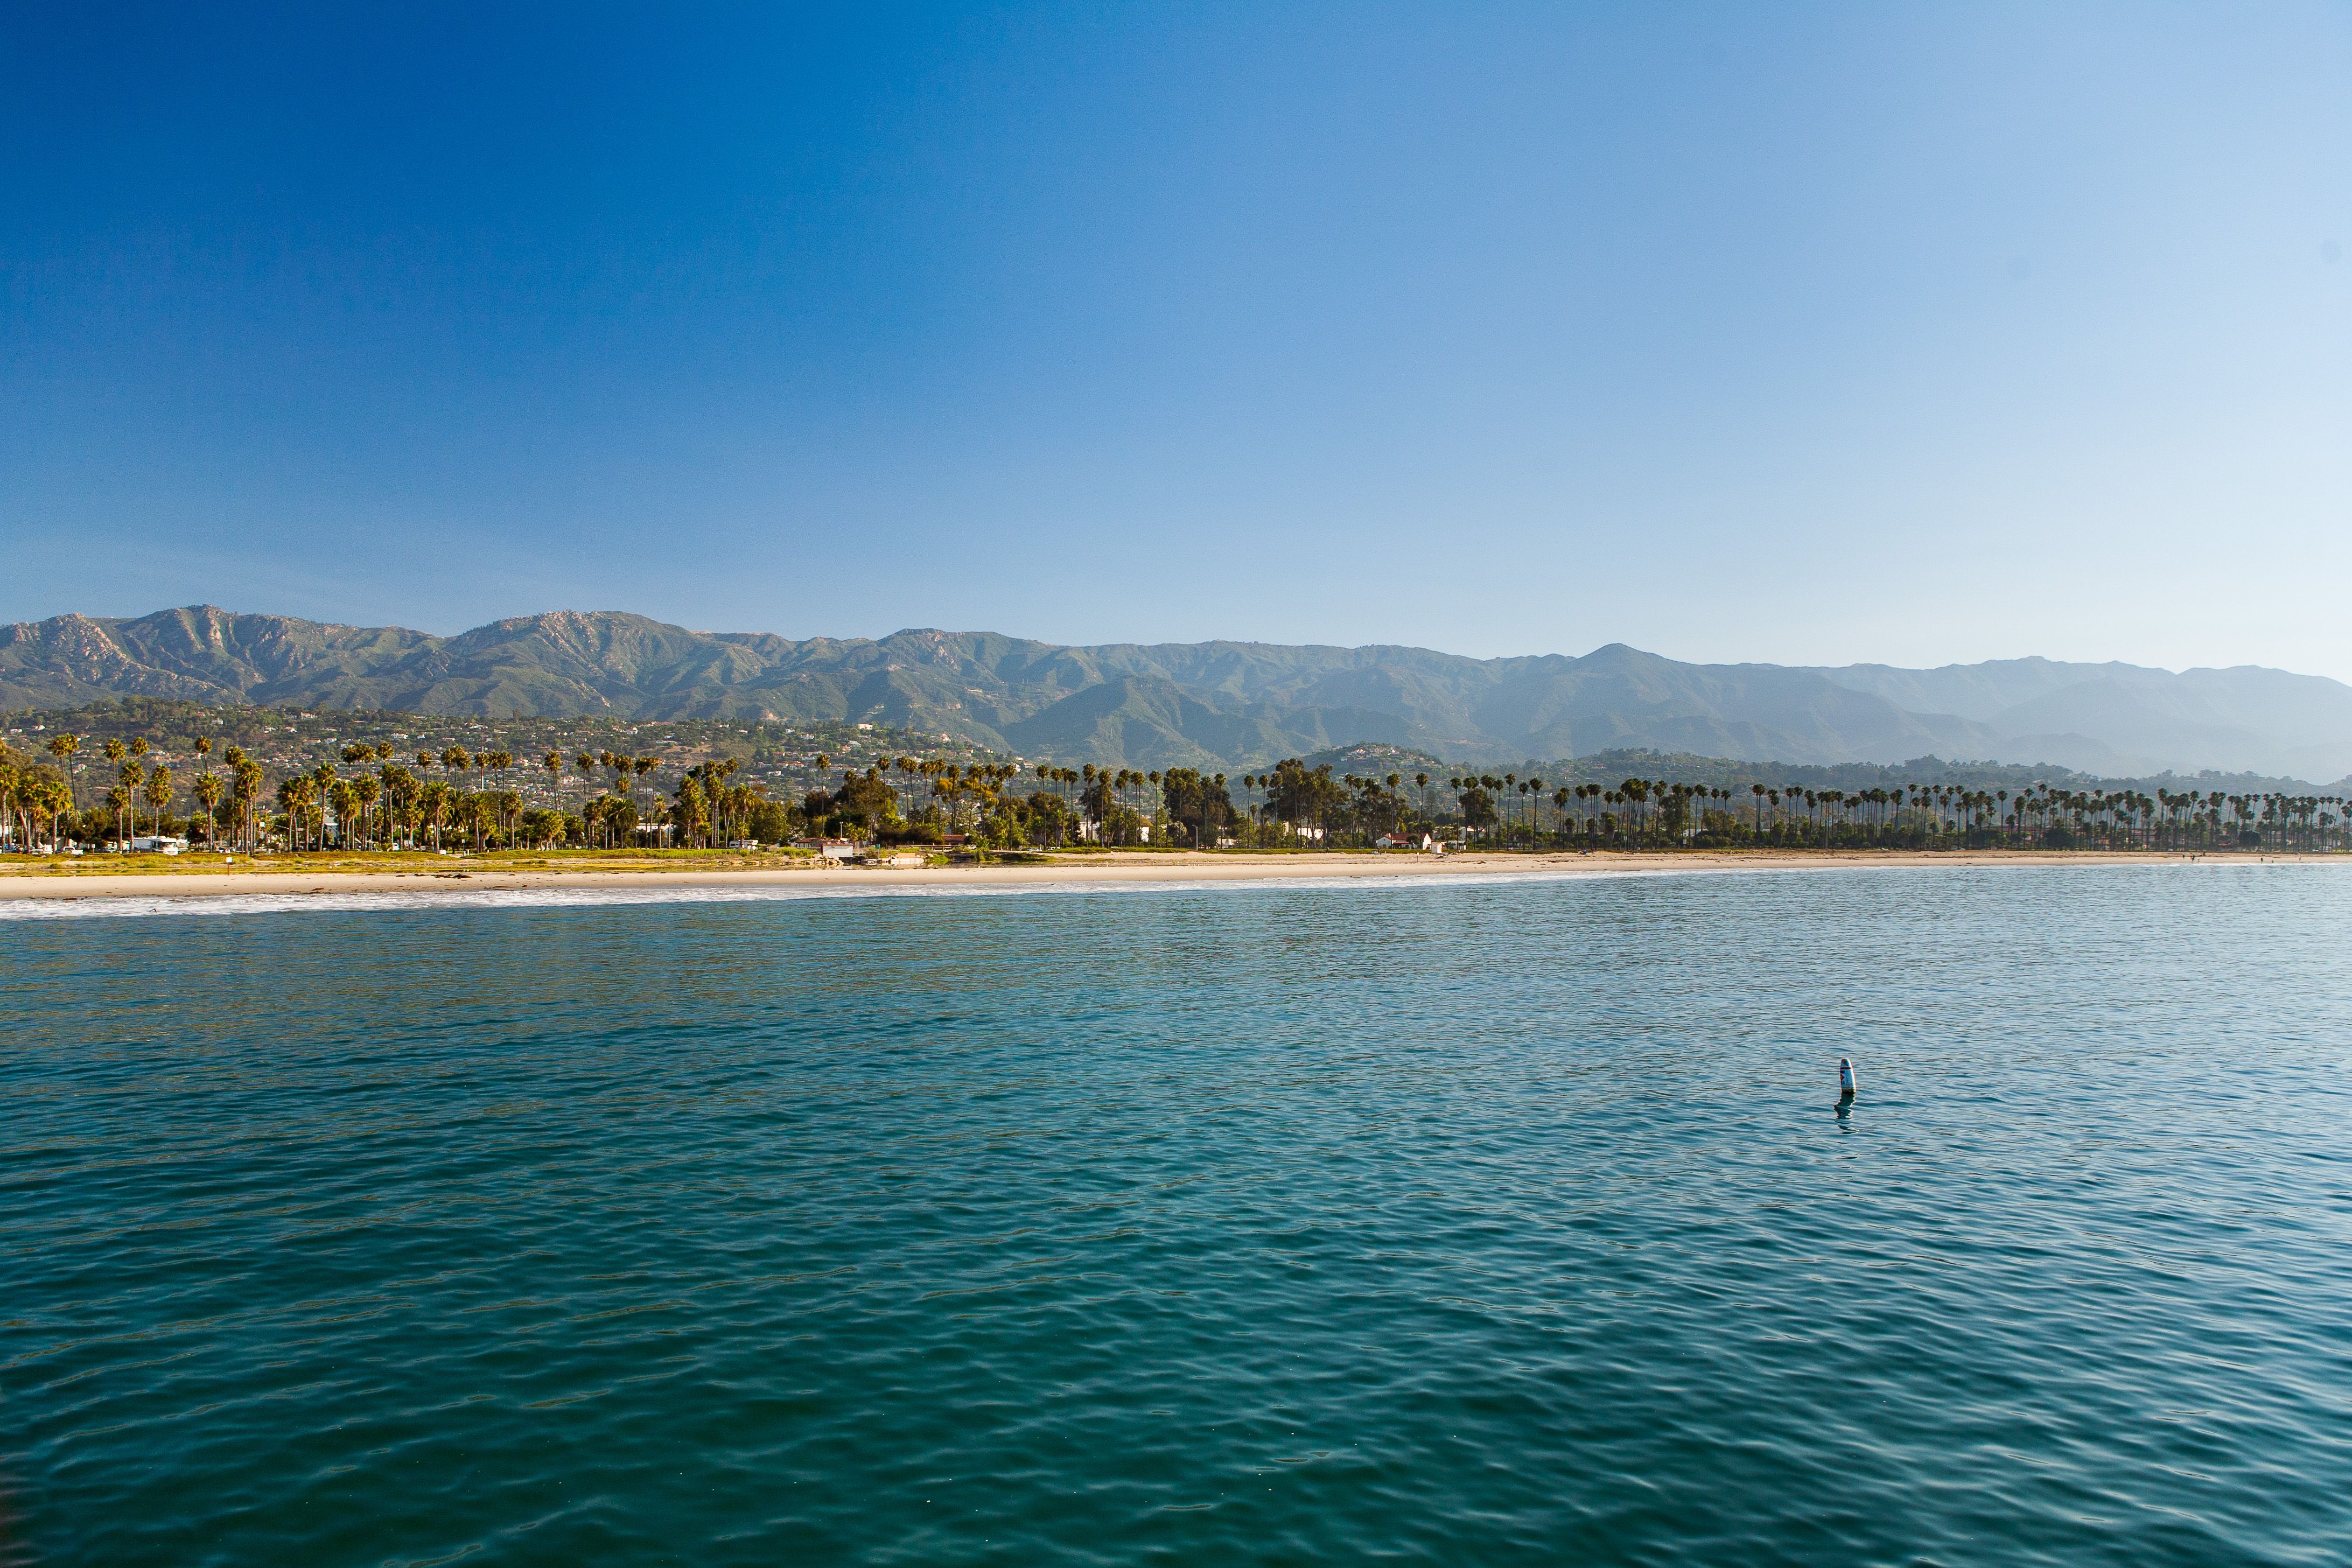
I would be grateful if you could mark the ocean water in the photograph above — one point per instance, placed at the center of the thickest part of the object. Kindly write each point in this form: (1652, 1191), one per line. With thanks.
(1508, 1221)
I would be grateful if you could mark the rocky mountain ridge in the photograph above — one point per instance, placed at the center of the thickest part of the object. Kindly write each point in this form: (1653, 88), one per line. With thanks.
(1220, 704)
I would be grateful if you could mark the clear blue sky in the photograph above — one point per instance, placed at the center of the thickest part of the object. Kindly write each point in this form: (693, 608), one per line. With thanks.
(1801, 334)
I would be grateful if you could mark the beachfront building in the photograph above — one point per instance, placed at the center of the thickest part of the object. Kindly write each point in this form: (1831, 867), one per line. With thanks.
(1090, 831)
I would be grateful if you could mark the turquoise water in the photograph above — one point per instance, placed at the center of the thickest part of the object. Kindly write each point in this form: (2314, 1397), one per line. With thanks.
(1506, 1222)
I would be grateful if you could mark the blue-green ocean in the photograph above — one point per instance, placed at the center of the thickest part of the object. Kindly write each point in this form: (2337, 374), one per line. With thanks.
(1493, 1222)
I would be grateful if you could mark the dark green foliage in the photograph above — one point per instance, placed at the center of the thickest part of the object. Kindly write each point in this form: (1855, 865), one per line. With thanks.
(1196, 804)
(770, 822)
(861, 805)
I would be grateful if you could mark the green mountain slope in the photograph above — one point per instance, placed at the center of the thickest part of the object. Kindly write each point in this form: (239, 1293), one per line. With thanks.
(1220, 704)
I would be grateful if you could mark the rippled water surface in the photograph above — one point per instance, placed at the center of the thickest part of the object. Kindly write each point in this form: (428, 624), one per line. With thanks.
(1472, 1223)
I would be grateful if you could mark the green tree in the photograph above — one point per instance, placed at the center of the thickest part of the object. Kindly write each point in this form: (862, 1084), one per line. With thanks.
(691, 808)
(159, 794)
(366, 792)
(63, 748)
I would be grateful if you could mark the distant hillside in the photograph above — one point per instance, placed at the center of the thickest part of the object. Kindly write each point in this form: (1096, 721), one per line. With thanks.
(2123, 719)
(1220, 705)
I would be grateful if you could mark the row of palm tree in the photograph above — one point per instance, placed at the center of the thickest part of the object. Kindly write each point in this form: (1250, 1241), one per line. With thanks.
(395, 805)
(1641, 810)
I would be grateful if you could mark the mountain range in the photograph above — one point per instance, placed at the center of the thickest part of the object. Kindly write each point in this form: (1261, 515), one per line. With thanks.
(1228, 705)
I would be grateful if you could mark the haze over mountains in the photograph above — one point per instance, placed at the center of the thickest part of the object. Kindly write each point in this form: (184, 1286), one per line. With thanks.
(1222, 704)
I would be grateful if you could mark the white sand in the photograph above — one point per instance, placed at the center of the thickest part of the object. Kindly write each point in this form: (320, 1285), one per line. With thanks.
(204, 877)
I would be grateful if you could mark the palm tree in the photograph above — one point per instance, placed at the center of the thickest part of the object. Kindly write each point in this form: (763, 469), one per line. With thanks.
(63, 747)
(433, 804)
(159, 794)
(244, 784)
(208, 791)
(56, 799)
(18, 788)
(364, 790)
(129, 776)
(12, 797)
(692, 806)
(138, 749)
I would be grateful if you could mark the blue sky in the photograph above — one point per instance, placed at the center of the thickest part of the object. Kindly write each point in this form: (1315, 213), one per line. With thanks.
(1808, 334)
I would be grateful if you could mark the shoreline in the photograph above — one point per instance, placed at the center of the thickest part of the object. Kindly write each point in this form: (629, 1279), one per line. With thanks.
(463, 876)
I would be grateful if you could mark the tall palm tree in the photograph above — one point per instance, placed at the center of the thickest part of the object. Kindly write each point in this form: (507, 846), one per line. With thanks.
(63, 748)
(159, 794)
(208, 791)
(139, 749)
(12, 804)
(290, 794)
(129, 776)
(364, 790)
(16, 791)
(692, 806)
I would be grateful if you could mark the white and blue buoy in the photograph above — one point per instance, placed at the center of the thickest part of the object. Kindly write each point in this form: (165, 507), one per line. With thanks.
(1845, 1077)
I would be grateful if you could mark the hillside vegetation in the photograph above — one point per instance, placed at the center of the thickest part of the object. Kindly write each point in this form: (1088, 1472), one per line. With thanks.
(1205, 705)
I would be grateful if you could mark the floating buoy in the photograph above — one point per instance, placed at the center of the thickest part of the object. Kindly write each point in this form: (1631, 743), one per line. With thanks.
(1845, 1077)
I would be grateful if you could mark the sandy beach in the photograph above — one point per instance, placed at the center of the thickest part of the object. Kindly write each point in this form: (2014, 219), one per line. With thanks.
(203, 877)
